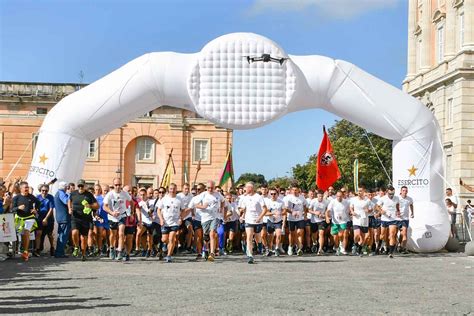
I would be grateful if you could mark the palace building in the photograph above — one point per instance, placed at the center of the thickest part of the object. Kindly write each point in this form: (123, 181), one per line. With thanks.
(137, 152)
(441, 74)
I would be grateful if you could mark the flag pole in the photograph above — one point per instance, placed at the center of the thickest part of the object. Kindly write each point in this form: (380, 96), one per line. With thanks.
(198, 167)
(170, 159)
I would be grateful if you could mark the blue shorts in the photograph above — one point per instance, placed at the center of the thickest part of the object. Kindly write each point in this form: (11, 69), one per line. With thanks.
(188, 221)
(403, 223)
(321, 225)
(296, 225)
(230, 226)
(165, 230)
(271, 226)
(197, 225)
(242, 226)
(363, 229)
(257, 228)
(389, 223)
(374, 222)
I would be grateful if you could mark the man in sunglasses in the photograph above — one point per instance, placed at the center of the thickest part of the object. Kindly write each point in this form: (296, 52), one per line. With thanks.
(274, 224)
(196, 215)
(211, 204)
(82, 206)
(187, 226)
(389, 207)
(115, 204)
(296, 207)
(170, 209)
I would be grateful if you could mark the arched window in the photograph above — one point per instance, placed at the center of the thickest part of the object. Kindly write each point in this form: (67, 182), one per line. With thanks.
(145, 149)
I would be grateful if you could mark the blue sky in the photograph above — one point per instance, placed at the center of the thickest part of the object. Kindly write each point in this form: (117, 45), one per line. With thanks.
(52, 41)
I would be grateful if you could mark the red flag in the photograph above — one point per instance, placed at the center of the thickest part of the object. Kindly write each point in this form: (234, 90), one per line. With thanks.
(327, 169)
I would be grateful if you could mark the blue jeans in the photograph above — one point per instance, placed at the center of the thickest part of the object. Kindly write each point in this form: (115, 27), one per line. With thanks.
(63, 237)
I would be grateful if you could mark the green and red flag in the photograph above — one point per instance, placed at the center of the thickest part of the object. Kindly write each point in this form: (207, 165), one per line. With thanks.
(228, 171)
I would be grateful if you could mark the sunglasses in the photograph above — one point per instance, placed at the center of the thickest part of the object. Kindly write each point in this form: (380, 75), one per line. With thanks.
(44, 190)
(80, 185)
(273, 194)
(117, 185)
(161, 192)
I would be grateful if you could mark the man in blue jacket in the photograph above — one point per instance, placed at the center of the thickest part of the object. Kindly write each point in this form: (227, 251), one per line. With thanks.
(62, 218)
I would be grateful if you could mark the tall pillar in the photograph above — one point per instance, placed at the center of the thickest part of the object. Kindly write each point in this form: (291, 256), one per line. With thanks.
(426, 44)
(412, 23)
(450, 27)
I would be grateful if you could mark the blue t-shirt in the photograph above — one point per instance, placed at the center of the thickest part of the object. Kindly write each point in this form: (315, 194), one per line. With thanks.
(1, 206)
(45, 203)
(102, 213)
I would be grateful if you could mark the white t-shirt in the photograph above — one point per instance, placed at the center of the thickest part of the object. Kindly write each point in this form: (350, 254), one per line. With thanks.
(390, 207)
(453, 199)
(308, 204)
(295, 206)
(192, 205)
(152, 205)
(339, 211)
(266, 200)
(231, 207)
(372, 204)
(276, 207)
(185, 199)
(144, 210)
(253, 205)
(213, 201)
(117, 202)
(360, 217)
(170, 210)
(318, 206)
(404, 208)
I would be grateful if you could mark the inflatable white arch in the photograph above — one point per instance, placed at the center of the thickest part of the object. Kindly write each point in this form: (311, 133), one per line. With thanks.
(222, 86)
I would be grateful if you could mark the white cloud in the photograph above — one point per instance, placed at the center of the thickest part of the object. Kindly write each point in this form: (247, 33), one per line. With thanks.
(336, 9)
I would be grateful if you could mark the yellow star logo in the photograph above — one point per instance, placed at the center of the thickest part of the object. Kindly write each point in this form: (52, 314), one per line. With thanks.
(412, 171)
(43, 159)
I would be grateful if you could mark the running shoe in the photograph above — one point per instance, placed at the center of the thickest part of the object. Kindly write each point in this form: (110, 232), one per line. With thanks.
(113, 254)
(338, 252)
(290, 250)
(211, 257)
(405, 251)
(390, 255)
(354, 249)
(127, 258)
(147, 254)
(277, 252)
(83, 258)
(320, 253)
(198, 257)
(168, 259)
(314, 248)
(120, 256)
(250, 260)
(36, 253)
(299, 252)
(344, 252)
(51, 251)
(25, 256)
(75, 253)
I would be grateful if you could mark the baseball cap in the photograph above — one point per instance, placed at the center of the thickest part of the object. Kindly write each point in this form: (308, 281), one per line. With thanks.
(81, 182)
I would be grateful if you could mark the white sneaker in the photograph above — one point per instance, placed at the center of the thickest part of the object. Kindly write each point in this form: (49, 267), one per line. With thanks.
(290, 250)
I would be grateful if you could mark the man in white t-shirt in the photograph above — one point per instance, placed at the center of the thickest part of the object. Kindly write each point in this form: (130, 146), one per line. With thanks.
(406, 212)
(338, 213)
(170, 209)
(115, 204)
(454, 200)
(264, 233)
(211, 203)
(389, 207)
(187, 226)
(253, 206)
(231, 219)
(275, 213)
(144, 223)
(359, 206)
(196, 215)
(310, 241)
(317, 209)
(296, 208)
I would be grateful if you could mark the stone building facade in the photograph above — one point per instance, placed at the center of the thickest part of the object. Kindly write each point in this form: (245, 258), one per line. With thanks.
(441, 74)
(137, 152)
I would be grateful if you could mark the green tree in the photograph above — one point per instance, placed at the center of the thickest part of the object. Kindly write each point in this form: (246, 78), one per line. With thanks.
(258, 179)
(280, 182)
(350, 142)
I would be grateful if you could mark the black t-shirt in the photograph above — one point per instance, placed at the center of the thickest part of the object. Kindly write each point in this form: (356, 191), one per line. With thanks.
(77, 206)
(29, 201)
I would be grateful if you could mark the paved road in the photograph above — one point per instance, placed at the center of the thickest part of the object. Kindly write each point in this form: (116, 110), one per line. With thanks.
(416, 284)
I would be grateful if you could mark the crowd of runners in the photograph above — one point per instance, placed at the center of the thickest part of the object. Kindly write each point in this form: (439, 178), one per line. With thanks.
(119, 222)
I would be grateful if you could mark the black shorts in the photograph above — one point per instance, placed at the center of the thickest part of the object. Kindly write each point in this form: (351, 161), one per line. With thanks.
(307, 222)
(271, 226)
(322, 225)
(197, 225)
(130, 230)
(46, 229)
(403, 223)
(149, 228)
(363, 229)
(115, 225)
(374, 222)
(296, 225)
(314, 227)
(257, 228)
(81, 225)
(230, 226)
(165, 230)
(349, 225)
(242, 226)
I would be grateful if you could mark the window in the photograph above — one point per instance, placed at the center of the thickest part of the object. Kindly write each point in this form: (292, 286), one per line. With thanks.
(41, 111)
(201, 150)
(93, 150)
(461, 30)
(448, 171)
(145, 150)
(440, 47)
(449, 113)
